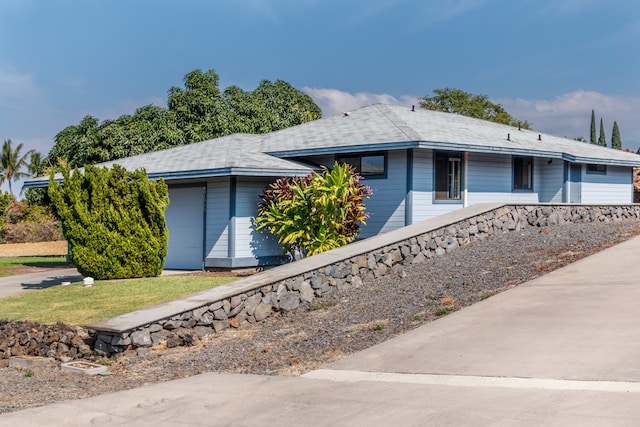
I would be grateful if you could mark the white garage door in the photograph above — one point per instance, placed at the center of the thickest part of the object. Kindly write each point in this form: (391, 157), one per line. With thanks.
(185, 219)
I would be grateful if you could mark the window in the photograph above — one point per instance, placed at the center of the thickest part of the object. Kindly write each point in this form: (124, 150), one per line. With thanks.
(367, 164)
(597, 169)
(448, 176)
(523, 173)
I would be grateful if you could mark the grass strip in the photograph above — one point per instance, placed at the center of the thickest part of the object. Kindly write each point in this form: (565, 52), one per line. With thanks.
(11, 265)
(79, 305)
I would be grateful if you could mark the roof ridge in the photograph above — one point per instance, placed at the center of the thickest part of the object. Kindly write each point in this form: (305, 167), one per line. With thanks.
(399, 123)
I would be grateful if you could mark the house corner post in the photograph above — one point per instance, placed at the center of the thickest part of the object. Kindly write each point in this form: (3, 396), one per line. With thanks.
(465, 176)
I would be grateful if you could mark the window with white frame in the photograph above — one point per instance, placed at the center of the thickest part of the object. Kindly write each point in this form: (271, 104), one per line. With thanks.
(448, 176)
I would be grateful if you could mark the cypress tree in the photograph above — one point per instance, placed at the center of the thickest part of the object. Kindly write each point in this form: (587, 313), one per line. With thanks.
(616, 142)
(602, 141)
(592, 138)
(114, 220)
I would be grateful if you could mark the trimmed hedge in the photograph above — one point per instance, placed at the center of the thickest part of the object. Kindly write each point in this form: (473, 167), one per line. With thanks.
(114, 220)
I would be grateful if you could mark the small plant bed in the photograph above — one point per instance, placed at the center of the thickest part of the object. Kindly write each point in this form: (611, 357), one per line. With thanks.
(79, 305)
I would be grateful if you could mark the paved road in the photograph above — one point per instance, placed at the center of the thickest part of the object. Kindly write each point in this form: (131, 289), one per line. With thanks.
(561, 350)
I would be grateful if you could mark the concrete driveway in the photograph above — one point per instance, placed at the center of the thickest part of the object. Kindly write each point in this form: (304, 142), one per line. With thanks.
(43, 279)
(561, 350)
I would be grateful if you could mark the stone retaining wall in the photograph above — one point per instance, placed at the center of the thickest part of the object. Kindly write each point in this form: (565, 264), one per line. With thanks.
(301, 290)
(59, 341)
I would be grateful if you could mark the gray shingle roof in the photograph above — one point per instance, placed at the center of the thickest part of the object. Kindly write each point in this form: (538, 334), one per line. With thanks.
(237, 154)
(376, 127)
(387, 127)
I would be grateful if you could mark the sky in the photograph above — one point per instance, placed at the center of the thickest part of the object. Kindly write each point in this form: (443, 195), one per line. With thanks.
(550, 62)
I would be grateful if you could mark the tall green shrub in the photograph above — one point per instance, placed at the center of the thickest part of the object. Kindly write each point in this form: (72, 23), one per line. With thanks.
(602, 139)
(114, 220)
(313, 214)
(592, 131)
(616, 142)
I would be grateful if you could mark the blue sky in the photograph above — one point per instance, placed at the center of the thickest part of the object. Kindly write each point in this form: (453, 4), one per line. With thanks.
(547, 61)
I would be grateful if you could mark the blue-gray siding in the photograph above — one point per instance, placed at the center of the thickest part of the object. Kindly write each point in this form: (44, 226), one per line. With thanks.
(551, 180)
(387, 204)
(251, 243)
(616, 186)
(217, 241)
(185, 220)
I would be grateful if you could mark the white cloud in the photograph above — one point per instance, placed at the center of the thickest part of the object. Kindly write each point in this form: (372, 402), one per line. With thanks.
(16, 85)
(334, 101)
(570, 114)
(566, 115)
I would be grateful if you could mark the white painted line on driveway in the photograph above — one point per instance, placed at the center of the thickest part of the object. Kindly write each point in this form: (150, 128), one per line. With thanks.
(475, 381)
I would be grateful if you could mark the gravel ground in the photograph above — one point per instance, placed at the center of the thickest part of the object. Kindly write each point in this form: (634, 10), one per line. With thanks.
(331, 328)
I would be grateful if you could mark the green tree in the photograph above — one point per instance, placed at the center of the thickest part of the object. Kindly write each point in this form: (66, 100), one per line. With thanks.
(73, 142)
(197, 112)
(12, 163)
(203, 112)
(36, 165)
(312, 214)
(197, 107)
(478, 106)
(616, 142)
(602, 141)
(592, 132)
(36, 196)
(114, 221)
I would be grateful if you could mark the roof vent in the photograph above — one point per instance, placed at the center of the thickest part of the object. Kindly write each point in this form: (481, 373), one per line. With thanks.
(539, 137)
(508, 137)
(347, 113)
(413, 108)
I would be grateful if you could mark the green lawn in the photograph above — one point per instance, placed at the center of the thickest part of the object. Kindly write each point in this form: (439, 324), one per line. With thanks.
(82, 306)
(9, 266)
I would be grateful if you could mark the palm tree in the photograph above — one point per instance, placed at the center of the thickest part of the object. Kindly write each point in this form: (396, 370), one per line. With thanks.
(12, 163)
(35, 166)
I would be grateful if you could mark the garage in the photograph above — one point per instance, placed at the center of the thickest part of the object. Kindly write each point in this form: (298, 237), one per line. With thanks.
(185, 220)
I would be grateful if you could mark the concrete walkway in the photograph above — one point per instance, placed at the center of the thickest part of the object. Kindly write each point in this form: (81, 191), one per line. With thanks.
(560, 350)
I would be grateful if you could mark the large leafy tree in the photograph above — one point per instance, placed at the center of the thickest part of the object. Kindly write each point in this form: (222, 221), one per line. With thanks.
(458, 101)
(114, 221)
(197, 106)
(13, 163)
(312, 214)
(196, 112)
(616, 142)
(73, 142)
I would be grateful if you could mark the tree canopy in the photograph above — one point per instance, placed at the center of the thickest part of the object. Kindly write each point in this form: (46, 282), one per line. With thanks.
(457, 101)
(196, 112)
